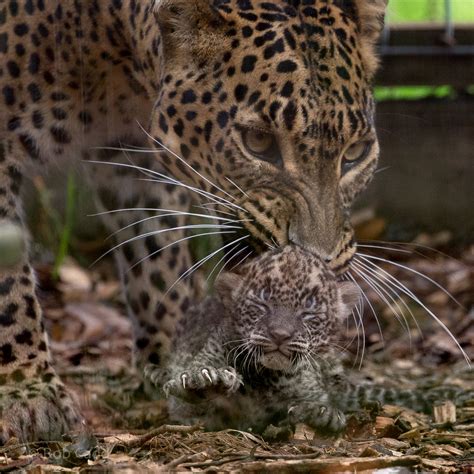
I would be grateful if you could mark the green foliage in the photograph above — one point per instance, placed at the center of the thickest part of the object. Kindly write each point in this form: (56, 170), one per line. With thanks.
(413, 92)
(66, 231)
(401, 11)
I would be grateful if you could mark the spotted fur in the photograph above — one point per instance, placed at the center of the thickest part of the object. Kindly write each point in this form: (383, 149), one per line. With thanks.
(271, 350)
(263, 350)
(265, 104)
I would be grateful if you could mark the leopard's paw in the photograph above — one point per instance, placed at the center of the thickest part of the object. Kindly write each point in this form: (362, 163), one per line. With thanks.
(37, 410)
(324, 419)
(202, 383)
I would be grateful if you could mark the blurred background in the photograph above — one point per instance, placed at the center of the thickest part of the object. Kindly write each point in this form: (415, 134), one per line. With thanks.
(425, 118)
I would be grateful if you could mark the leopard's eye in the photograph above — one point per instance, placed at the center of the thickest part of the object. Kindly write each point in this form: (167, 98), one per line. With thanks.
(262, 145)
(355, 154)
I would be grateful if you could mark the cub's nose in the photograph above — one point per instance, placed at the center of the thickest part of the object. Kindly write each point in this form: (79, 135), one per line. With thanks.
(280, 335)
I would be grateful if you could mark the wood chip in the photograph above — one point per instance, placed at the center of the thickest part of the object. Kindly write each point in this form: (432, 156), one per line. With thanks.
(445, 412)
(303, 432)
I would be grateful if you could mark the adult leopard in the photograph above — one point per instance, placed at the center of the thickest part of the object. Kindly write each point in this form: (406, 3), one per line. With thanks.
(266, 105)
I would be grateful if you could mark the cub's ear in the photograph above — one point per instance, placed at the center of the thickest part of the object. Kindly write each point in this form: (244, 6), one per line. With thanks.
(349, 297)
(226, 286)
(191, 29)
(369, 16)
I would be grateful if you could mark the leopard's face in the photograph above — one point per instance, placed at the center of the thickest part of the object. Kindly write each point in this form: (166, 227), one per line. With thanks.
(287, 308)
(274, 109)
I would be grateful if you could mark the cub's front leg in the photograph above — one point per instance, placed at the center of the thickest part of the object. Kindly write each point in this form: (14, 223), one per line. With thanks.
(311, 404)
(197, 383)
(322, 417)
(205, 375)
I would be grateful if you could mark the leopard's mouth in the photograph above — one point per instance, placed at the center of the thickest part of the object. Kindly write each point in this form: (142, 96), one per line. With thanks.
(276, 360)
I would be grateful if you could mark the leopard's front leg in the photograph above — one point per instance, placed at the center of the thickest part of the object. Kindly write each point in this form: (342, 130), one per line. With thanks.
(151, 239)
(34, 403)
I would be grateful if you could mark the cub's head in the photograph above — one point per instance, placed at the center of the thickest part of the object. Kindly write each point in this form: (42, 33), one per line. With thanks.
(285, 306)
(269, 105)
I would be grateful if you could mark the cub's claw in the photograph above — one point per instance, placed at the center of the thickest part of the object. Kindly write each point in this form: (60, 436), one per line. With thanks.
(204, 382)
(325, 419)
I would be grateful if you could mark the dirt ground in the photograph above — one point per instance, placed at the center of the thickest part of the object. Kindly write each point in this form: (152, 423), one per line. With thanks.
(91, 345)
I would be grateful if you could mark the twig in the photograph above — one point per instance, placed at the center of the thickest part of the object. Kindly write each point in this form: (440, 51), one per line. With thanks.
(250, 457)
(158, 431)
(185, 458)
(211, 462)
(330, 465)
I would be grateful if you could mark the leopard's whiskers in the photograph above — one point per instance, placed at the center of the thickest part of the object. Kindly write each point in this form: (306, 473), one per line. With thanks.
(405, 290)
(213, 197)
(383, 281)
(236, 245)
(411, 270)
(412, 246)
(162, 231)
(383, 294)
(201, 262)
(189, 237)
(383, 247)
(185, 163)
(238, 187)
(358, 312)
(230, 259)
(240, 262)
(340, 349)
(207, 207)
(160, 178)
(166, 213)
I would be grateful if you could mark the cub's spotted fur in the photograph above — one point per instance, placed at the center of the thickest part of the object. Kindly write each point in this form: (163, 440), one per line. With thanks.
(264, 351)
(265, 104)
(263, 347)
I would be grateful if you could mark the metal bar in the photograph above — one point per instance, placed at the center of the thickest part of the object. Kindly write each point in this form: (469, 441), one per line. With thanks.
(459, 50)
(449, 25)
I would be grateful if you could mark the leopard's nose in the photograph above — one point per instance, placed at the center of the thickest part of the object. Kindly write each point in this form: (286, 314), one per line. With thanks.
(280, 335)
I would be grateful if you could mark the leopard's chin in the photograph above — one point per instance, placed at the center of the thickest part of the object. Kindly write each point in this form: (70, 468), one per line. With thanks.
(275, 360)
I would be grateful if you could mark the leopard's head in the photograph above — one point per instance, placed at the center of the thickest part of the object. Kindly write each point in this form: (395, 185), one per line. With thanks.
(269, 106)
(285, 306)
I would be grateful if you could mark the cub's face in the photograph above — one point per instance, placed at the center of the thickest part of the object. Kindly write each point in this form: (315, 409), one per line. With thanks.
(286, 308)
(271, 102)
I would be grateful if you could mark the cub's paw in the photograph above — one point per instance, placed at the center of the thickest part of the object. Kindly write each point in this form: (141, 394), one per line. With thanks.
(205, 382)
(37, 410)
(326, 420)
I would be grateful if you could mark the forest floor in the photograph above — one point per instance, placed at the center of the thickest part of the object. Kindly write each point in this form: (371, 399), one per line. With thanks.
(91, 345)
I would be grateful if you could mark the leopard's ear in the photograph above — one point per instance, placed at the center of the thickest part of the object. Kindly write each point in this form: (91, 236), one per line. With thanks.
(191, 29)
(369, 16)
(349, 297)
(227, 286)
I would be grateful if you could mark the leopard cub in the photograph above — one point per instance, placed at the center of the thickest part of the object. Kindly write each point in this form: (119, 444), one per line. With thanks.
(261, 350)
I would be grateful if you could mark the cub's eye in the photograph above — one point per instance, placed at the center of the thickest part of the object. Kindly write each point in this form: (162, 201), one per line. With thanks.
(356, 154)
(262, 145)
(310, 303)
(265, 294)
